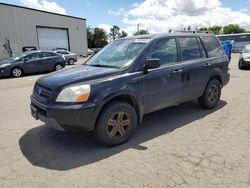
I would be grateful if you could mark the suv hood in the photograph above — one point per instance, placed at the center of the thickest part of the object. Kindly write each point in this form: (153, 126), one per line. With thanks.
(74, 75)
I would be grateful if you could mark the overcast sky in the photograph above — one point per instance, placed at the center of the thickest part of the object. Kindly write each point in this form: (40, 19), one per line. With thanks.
(153, 15)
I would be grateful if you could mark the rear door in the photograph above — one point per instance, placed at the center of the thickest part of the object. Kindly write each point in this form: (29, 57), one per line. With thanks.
(32, 63)
(195, 66)
(163, 87)
(50, 60)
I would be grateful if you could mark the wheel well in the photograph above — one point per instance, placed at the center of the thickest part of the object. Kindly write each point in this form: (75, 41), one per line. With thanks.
(125, 98)
(217, 77)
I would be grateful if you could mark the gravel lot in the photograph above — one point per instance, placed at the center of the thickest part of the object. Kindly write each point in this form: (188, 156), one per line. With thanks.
(182, 146)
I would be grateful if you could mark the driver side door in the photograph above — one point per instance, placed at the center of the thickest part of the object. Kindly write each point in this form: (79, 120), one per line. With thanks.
(163, 87)
(32, 63)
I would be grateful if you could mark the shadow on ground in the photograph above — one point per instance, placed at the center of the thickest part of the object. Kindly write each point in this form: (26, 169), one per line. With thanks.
(50, 149)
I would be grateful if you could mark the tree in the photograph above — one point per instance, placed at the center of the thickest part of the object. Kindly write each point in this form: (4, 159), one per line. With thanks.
(215, 29)
(141, 32)
(123, 34)
(114, 32)
(90, 37)
(97, 37)
(189, 28)
(233, 28)
(100, 38)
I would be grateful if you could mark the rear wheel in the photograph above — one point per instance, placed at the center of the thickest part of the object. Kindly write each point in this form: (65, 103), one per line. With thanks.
(58, 67)
(211, 95)
(16, 72)
(71, 62)
(116, 124)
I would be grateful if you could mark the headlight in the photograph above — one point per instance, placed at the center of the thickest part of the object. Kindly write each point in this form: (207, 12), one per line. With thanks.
(78, 93)
(246, 58)
(5, 65)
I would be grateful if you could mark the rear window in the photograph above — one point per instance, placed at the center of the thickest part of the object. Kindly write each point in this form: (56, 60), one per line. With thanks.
(189, 48)
(212, 46)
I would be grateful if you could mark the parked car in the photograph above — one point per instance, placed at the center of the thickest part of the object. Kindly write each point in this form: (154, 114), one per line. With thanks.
(70, 57)
(91, 52)
(129, 78)
(244, 60)
(31, 62)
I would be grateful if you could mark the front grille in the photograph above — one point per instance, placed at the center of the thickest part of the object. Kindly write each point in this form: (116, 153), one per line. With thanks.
(42, 92)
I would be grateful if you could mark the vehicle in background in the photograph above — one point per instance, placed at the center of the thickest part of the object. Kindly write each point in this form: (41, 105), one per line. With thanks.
(31, 62)
(240, 40)
(90, 52)
(70, 57)
(244, 61)
(128, 78)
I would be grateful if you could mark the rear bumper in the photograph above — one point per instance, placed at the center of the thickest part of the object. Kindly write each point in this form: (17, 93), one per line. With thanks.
(77, 117)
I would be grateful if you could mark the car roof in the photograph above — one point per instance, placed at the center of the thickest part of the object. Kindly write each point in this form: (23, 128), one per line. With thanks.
(162, 35)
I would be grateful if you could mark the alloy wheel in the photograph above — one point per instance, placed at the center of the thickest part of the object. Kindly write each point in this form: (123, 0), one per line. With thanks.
(17, 72)
(58, 67)
(213, 93)
(118, 124)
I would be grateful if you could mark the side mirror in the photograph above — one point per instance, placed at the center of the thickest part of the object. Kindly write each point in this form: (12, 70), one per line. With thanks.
(151, 64)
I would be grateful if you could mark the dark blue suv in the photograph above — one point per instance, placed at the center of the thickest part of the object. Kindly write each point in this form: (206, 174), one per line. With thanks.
(129, 78)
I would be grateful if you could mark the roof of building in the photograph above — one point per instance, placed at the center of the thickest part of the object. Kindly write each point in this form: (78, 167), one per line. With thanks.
(17, 6)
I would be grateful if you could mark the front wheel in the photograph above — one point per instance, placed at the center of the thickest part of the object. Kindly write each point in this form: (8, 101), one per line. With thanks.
(116, 124)
(240, 64)
(211, 95)
(16, 72)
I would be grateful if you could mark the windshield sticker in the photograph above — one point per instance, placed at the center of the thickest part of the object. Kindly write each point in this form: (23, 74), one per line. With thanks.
(142, 40)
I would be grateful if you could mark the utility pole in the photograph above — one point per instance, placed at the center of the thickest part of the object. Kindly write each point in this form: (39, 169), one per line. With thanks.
(138, 28)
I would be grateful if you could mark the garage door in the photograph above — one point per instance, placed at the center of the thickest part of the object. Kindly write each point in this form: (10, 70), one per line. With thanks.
(50, 38)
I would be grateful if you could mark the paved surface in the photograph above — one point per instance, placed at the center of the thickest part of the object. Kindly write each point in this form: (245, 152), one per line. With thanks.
(183, 146)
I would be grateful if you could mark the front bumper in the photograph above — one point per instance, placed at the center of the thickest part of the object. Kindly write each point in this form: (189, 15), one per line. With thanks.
(245, 62)
(4, 72)
(65, 117)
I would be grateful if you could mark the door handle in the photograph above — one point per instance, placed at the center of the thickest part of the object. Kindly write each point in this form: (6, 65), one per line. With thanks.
(207, 65)
(177, 71)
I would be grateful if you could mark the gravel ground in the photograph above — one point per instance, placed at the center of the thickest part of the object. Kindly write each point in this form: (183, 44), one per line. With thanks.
(182, 146)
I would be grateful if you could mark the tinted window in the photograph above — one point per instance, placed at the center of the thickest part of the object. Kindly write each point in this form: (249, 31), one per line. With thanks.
(212, 46)
(165, 50)
(48, 54)
(32, 56)
(189, 48)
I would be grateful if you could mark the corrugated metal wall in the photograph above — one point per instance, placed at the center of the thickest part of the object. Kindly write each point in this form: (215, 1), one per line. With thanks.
(19, 26)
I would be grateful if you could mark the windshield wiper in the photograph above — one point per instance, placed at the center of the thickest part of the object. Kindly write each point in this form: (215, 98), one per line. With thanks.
(101, 65)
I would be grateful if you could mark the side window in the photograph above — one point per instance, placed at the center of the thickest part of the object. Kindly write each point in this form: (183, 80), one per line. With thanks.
(212, 46)
(189, 48)
(32, 56)
(49, 54)
(165, 50)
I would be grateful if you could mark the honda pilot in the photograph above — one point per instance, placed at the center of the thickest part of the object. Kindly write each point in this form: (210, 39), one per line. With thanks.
(128, 78)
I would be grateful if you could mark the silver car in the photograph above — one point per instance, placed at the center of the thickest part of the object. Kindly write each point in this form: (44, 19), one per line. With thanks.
(70, 57)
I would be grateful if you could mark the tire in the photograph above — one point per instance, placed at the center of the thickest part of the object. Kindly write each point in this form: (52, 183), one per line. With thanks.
(211, 95)
(71, 62)
(16, 72)
(116, 124)
(240, 64)
(58, 67)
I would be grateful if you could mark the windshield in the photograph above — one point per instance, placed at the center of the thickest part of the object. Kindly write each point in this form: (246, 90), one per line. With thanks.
(19, 56)
(246, 49)
(118, 54)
